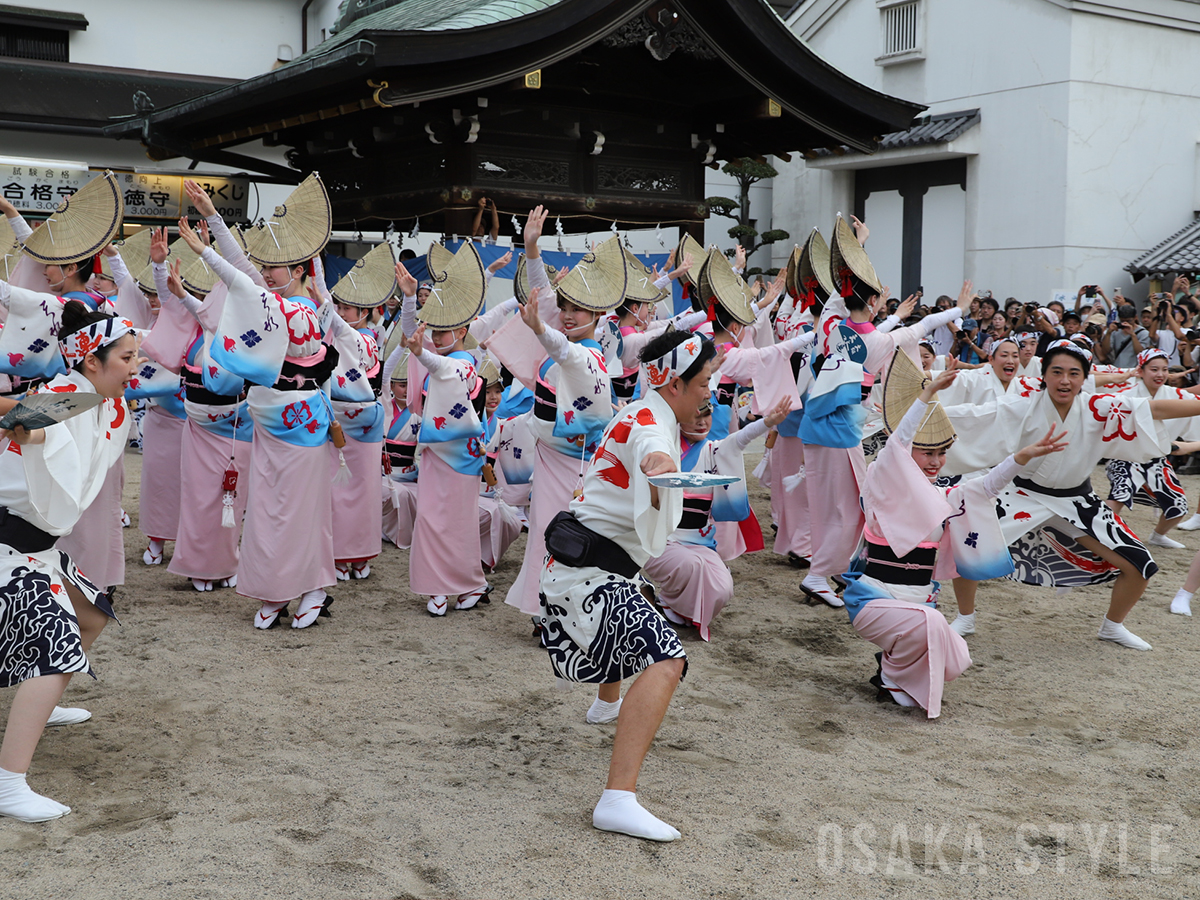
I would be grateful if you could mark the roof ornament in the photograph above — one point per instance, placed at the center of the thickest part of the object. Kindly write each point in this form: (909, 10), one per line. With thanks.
(660, 42)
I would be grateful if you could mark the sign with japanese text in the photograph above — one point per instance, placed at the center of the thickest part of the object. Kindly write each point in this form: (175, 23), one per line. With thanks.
(40, 188)
(34, 187)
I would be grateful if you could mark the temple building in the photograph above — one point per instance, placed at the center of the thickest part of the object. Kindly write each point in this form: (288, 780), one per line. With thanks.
(605, 110)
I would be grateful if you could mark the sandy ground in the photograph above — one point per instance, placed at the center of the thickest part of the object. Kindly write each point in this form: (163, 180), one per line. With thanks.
(389, 754)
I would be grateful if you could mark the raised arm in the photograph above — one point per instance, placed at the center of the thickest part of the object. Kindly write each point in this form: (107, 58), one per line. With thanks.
(226, 243)
(408, 301)
(15, 220)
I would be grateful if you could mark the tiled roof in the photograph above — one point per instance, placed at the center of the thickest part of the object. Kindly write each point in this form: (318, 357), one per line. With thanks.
(1180, 253)
(429, 15)
(931, 130)
(936, 129)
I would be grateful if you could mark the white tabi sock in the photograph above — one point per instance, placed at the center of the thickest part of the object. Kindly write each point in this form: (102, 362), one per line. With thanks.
(18, 801)
(1182, 604)
(602, 712)
(309, 608)
(964, 625)
(817, 587)
(619, 811)
(67, 715)
(202, 584)
(1192, 524)
(1119, 634)
(897, 692)
(1161, 540)
(268, 613)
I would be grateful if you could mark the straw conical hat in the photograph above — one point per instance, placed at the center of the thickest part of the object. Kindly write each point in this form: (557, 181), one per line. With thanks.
(10, 250)
(717, 279)
(400, 373)
(688, 244)
(82, 226)
(639, 287)
(598, 280)
(521, 282)
(848, 261)
(901, 388)
(298, 231)
(370, 281)
(438, 258)
(789, 282)
(489, 372)
(134, 250)
(200, 278)
(458, 288)
(812, 270)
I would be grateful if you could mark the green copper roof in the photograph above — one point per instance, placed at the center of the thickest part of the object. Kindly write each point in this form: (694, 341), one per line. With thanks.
(429, 15)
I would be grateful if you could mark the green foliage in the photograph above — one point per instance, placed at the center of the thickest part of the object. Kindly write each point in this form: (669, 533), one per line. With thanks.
(747, 172)
(723, 206)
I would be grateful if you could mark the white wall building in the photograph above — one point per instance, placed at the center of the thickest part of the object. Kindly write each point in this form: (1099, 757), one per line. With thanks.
(1082, 155)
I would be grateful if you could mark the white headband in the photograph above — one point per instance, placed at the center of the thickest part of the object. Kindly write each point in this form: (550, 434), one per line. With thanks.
(674, 363)
(78, 344)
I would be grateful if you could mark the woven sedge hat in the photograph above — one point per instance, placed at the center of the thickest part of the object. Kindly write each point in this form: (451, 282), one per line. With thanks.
(598, 281)
(901, 388)
(298, 231)
(458, 287)
(10, 250)
(849, 266)
(639, 287)
(134, 250)
(197, 276)
(489, 372)
(521, 282)
(370, 281)
(688, 244)
(82, 226)
(400, 373)
(717, 279)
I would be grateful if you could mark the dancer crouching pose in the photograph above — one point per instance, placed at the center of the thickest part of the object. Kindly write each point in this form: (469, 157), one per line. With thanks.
(596, 624)
(915, 531)
(48, 477)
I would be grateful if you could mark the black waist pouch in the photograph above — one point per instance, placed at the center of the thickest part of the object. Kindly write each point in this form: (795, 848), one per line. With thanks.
(572, 543)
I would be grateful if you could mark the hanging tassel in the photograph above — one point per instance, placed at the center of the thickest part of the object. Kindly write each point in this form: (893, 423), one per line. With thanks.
(687, 294)
(846, 277)
(712, 310)
(229, 491)
(810, 297)
(97, 265)
(342, 475)
(791, 482)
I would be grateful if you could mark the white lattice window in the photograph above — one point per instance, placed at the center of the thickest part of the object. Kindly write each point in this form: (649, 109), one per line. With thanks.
(902, 25)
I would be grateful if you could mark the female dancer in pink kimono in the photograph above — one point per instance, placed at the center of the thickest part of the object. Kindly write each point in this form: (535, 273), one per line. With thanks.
(914, 532)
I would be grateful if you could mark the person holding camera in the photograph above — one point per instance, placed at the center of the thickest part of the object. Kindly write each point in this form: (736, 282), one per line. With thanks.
(1166, 328)
(1095, 294)
(1125, 338)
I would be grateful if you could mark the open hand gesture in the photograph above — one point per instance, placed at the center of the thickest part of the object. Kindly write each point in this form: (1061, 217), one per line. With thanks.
(529, 313)
(779, 413)
(158, 245)
(408, 284)
(533, 230)
(199, 198)
(1050, 443)
(415, 342)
